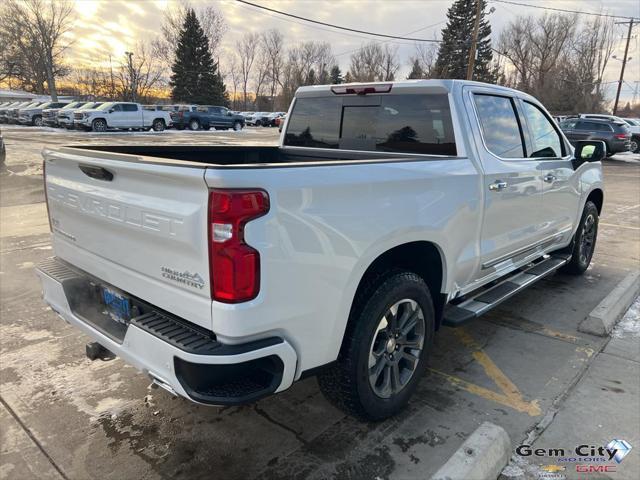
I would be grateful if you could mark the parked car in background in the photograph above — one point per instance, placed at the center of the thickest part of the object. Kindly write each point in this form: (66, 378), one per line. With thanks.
(615, 134)
(257, 119)
(50, 114)
(634, 127)
(206, 117)
(34, 115)
(14, 112)
(342, 259)
(65, 115)
(4, 110)
(280, 121)
(121, 116)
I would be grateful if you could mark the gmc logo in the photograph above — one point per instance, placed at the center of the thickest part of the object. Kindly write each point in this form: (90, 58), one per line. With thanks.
(595, 468)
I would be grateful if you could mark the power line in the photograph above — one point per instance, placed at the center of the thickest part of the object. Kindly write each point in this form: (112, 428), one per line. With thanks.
(594, 14)
(335, 26)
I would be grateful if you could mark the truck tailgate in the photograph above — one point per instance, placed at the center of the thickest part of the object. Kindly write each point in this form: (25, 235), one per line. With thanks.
(139, 226)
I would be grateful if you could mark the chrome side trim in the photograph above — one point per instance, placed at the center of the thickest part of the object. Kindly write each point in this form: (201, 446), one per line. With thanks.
(542, 243)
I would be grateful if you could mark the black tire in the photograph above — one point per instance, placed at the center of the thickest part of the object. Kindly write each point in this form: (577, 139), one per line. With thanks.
(237, 126)
(37, 121)
(584, 241)
(635, 145)
(194, 124)
(99, 125)
(158, 125)
(347, 383)
(258, 123)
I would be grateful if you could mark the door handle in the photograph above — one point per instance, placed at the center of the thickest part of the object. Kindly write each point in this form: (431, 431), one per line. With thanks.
(550, 178)
(498, 185)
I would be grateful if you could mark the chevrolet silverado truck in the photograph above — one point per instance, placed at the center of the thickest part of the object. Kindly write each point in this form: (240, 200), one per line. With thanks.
(34, 115)
(227, 273)
(121, 116)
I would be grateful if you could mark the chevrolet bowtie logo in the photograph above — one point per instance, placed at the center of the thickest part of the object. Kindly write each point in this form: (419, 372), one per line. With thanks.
(553, 468)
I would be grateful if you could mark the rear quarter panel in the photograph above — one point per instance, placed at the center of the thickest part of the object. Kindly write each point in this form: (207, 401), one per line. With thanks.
(327, 224)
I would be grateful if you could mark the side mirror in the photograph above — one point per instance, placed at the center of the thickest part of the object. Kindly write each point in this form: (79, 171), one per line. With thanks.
(229, 114)
(589, 151)
(111, 110)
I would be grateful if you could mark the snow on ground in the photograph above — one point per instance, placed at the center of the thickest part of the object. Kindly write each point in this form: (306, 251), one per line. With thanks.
(629, 326)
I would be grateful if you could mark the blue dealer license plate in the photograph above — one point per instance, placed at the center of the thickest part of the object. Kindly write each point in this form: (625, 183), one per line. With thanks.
(117, 305)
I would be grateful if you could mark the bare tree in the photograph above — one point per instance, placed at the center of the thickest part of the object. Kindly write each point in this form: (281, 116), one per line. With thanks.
(233, 73)
(559, 59)
(373, 62)
(33, 34)
(138, 74)
(425, 55)
(273, 47)
(247, 49)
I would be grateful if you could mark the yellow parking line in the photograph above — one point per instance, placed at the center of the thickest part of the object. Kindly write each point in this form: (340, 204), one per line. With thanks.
(510, 396)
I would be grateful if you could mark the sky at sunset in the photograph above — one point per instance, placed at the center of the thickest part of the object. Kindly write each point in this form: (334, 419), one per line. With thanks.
(114, 26)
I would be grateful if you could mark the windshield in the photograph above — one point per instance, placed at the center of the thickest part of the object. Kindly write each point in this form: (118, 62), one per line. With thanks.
(106, 106)
(72, 105)
(44, 105)
(90, 105)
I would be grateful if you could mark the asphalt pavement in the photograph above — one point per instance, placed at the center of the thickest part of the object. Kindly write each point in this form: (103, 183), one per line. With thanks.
(63, 416)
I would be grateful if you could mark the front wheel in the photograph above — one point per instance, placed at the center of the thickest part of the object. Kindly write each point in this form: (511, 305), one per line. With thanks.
(194, 125)
(99, 125)
(584, 241)
(37, 121)
(385, 348)
(237, 126)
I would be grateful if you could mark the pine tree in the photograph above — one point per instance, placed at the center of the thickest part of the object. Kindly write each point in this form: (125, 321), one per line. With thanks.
(348, 78)
(195, 78)
(335, 76)
(457, 35)
(416, 71)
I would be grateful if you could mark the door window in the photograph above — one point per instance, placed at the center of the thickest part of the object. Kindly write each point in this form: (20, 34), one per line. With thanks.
(545, 138)
(128, 107)
(500, 125)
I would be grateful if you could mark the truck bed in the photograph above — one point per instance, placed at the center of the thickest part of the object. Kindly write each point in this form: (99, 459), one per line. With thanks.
(233, 155)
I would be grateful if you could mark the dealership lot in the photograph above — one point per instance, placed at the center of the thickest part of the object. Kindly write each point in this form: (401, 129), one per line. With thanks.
(63, 416)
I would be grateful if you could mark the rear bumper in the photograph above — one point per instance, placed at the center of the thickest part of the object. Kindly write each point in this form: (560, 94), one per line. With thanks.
(200, 369)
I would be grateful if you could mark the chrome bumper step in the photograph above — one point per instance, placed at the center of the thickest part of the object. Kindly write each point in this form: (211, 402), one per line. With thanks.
(481, 301)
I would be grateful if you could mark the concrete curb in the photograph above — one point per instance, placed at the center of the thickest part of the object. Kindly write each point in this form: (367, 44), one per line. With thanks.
(602, 319)
(481, 457)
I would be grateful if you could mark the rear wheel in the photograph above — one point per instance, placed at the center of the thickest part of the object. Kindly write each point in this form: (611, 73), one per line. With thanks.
(584, 241)
(194, 124)
(158, 125)
(385, 347)
(635, 145)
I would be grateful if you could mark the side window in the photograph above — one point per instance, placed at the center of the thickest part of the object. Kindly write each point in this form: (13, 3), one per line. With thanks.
(500, 126)
(568, 124)
(117, 107)
(546, 140)
(129, 107)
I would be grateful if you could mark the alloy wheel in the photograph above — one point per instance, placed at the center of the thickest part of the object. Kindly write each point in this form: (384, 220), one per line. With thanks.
(396, 348)
(587, 238)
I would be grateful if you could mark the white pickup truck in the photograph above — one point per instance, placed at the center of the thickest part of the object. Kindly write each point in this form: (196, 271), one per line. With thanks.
(121, 116)
(226, 273)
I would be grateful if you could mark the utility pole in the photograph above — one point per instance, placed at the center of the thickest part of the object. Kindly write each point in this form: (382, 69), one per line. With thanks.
(472, 51)
(624, 64)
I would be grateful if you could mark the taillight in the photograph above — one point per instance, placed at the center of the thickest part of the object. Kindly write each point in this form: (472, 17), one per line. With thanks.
(234, 266)
(361, 89)
(621, 136)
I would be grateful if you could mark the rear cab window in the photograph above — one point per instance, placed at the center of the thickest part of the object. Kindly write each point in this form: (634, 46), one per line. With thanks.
(397, 123)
